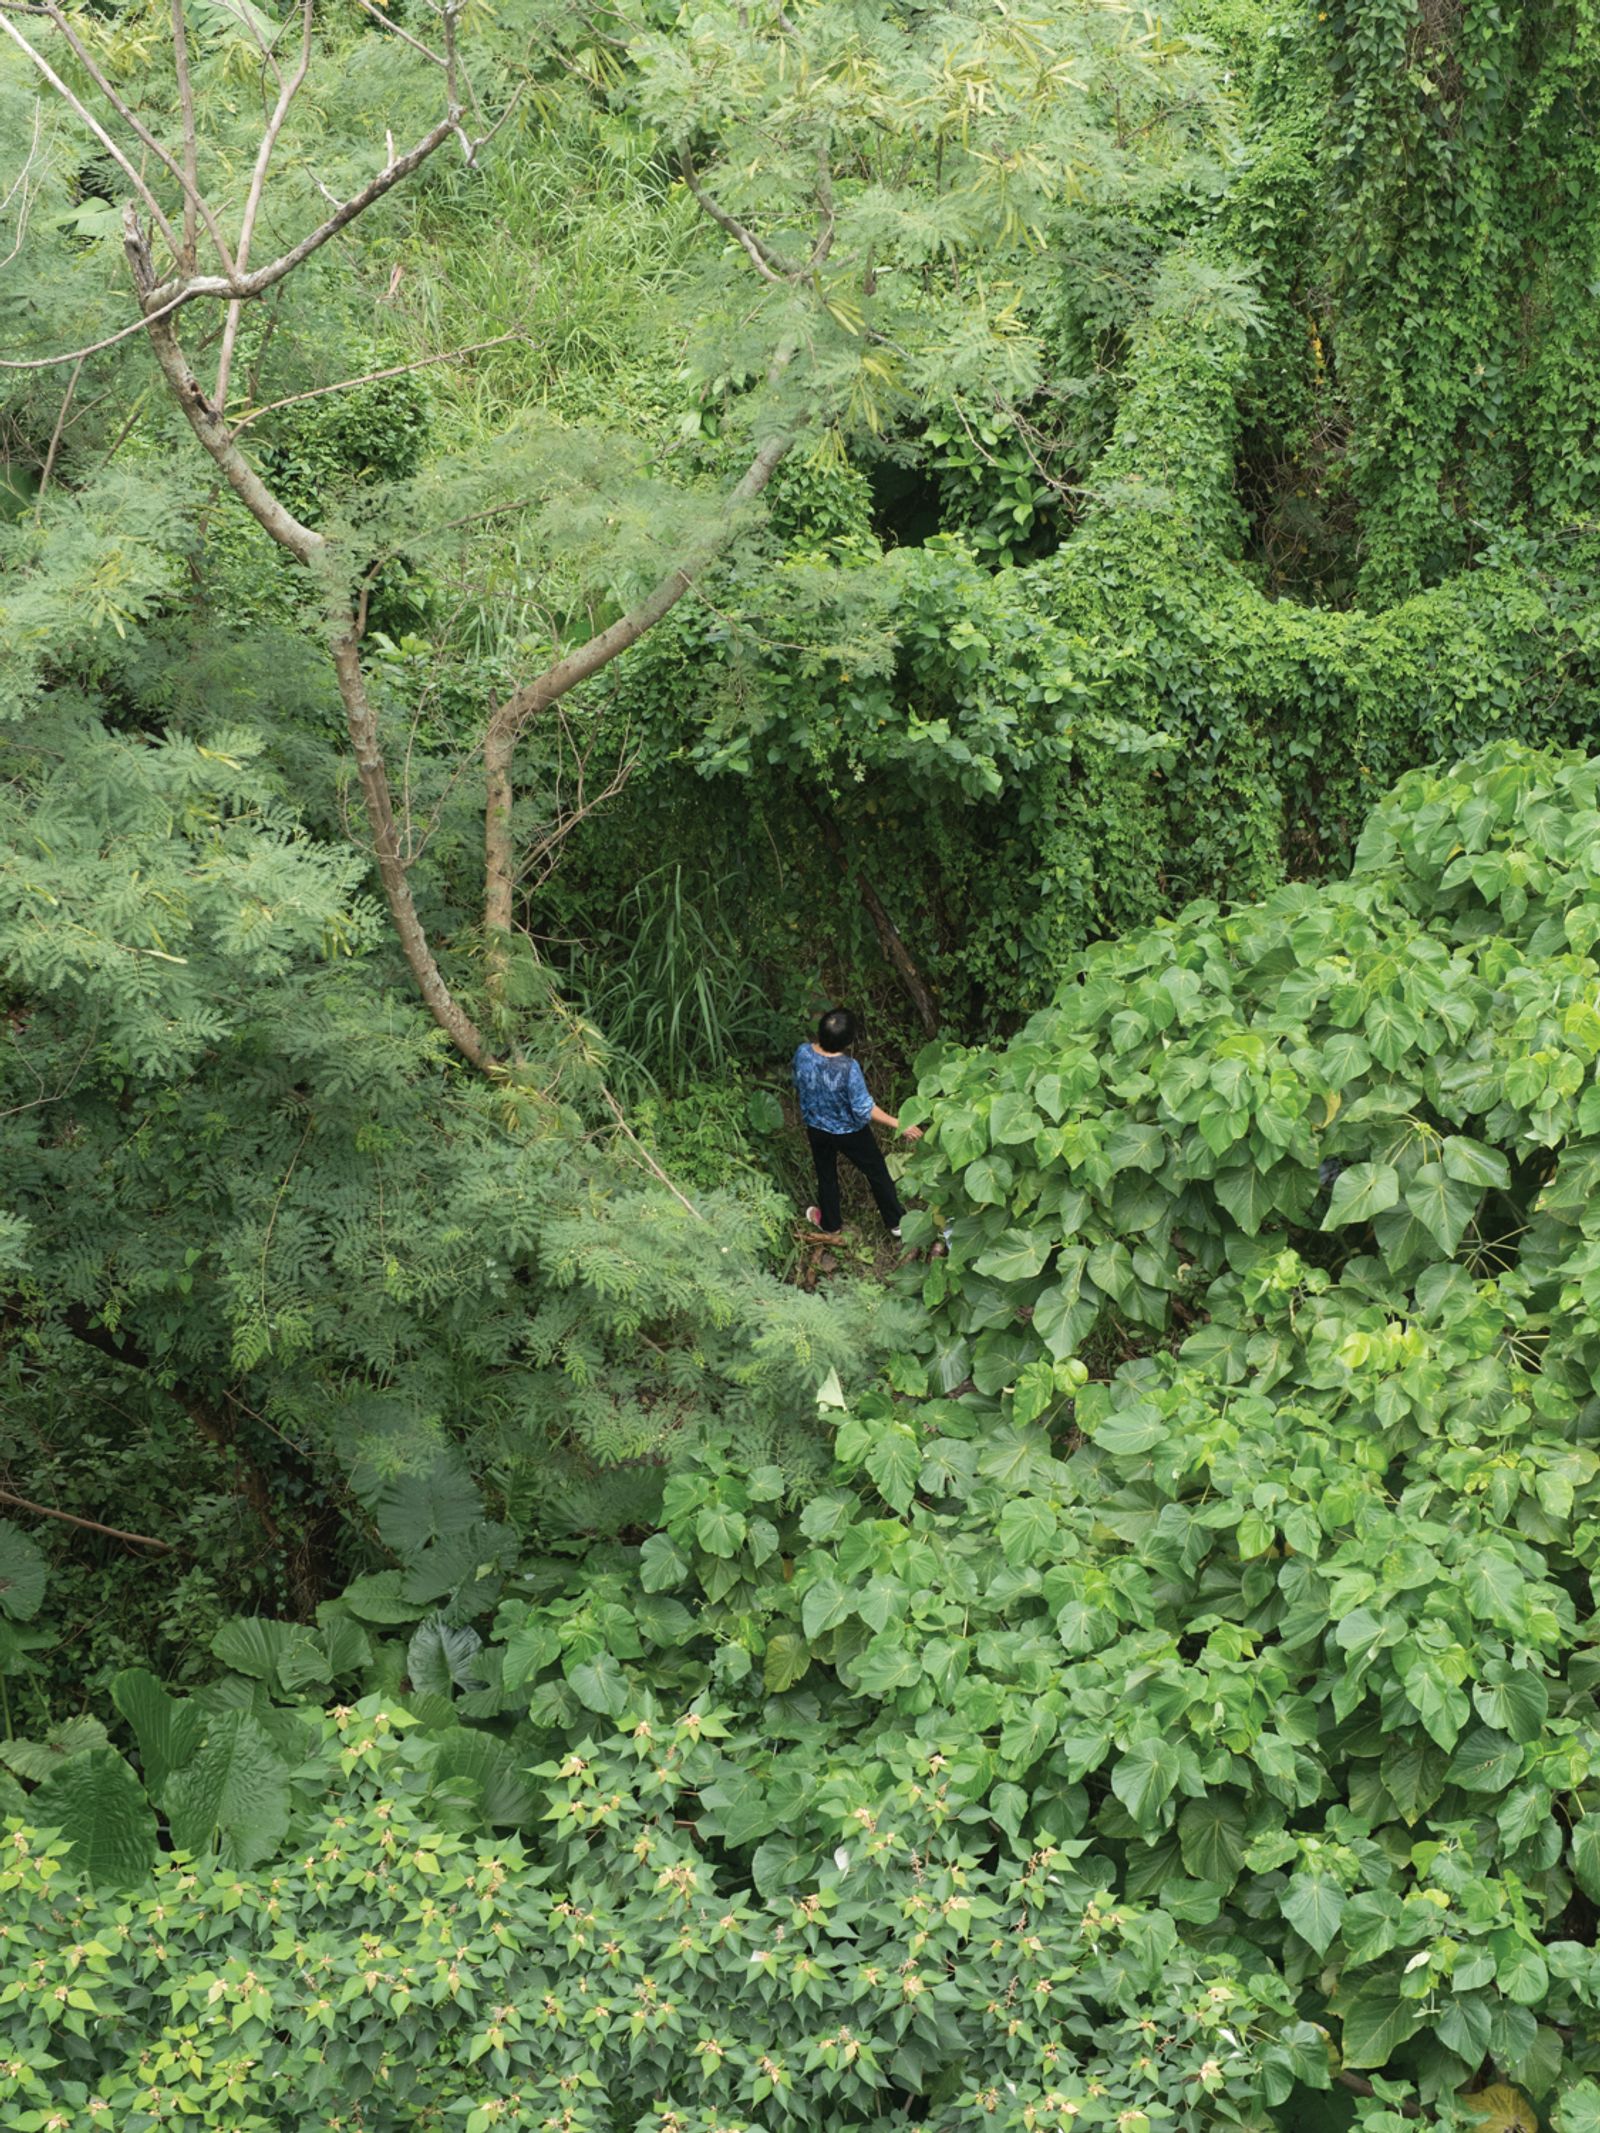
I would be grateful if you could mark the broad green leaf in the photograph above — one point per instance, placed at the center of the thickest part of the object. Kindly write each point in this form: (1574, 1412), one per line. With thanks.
(1143, 1779)
(492, 1768)
(1513, 1699)
(167, 1730)
(530, 1646)
(1314, 1905)
(1442, 1204)
(1066, 1311)
(235, 1787)
(440, 1655)
(378, 1598)
(1474, 1164)
(824, 1607)
(765, 1112)
(1376, 2023)
(1026, 1529)
(282, 1654)
(1128, 1431)
(1463, 2025)
(1211, 1835)
(720, 1531)
(1578, 2109)
(1343, 1058)
(345, 1644)
(1249, 1193)
(1485, 1761)
(23, 1574)
(786, 1660)
(35, 1759)
(894, 1462)
(599, 1684)
(887, 1665)
(1012, 1120)
(101, 1809)
(1359, 1193)
(1586, 1857)
(1495, 1587)
(1520, 1970)
(1018, 1256)
(415, 1509)
(661, 1567)
(988, 1180)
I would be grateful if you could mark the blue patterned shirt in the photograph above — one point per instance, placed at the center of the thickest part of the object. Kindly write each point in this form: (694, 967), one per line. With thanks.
(833, 1091)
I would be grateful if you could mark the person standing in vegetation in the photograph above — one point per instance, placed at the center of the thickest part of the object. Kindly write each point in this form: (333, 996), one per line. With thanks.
(838, 1113)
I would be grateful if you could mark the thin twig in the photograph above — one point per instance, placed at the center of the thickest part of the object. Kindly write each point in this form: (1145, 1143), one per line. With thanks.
(405, 36)
(79, 355)
(191, 145)
(252, 206)
(373, 377)
(650, 1162)
(19, 184)
(55, 435)
(38, 60)
(194, 201)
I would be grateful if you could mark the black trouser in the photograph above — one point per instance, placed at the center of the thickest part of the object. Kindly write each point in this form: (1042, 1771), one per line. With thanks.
(861, 1149)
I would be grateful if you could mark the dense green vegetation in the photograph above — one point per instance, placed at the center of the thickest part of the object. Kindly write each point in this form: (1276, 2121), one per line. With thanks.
(537, 547)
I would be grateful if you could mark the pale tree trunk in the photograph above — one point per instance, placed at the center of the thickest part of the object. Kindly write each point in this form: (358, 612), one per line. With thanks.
(507, 722)
(311, 548)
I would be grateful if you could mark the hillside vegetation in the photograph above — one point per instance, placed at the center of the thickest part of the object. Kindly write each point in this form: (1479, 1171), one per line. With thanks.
(538, 547)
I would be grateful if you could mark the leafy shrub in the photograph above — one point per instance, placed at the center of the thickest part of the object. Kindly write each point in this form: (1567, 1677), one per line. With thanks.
(396, 1974)
(1279, 1636)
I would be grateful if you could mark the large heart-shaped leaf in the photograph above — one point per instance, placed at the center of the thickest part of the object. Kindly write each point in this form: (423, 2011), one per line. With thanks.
(1376, 2023)
(234, 1789)
(22, 1574)
(1144, 1779)
(440, 1655)
(167, 1730)
(1359, 1193)
(102, 1810)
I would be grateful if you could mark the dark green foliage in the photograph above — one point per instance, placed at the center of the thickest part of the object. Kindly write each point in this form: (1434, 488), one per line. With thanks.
(739, 1702)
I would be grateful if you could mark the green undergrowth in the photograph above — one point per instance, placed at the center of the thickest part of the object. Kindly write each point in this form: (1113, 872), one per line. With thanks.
(1265, 1655)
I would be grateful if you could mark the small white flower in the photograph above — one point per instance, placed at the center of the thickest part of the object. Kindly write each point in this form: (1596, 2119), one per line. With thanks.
(841, 1859)
(1422, 1956)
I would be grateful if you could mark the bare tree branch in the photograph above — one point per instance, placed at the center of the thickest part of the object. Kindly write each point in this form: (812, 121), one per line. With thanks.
(506, 724)
(252, 206)
(191, 143)
(374, 377)
(77, 355)
(404, 36)
(310, 548)
(90, 1525)
(55, 435)
(246, 285)
(767, 263)
(194, 202)
(19, 184)
(37, 59)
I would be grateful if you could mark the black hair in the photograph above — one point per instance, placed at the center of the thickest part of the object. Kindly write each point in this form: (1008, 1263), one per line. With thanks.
(836, 1032)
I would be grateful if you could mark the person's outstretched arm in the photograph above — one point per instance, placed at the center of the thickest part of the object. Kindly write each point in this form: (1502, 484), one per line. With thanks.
(880, 1117)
